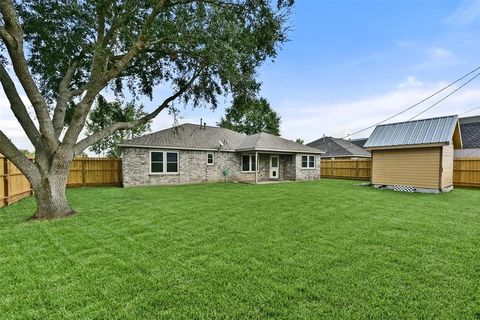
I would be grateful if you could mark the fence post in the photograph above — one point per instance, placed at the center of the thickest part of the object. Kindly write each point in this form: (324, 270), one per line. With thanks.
(332, 166)
(6, 182)
(84, 178)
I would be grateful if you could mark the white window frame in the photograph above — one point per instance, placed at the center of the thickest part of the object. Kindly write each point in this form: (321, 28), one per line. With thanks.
(213, 158)
(308, 162)
(164, 161)
(250, 155)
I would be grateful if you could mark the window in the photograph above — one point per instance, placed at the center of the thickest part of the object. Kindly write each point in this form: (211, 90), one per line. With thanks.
(308, 162)
(156, 160)
(210, 159)
(248, 163)
(163, 162)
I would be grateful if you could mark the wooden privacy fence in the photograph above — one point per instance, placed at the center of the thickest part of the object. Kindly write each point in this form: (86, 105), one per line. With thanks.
(84, 172)
(358, 169)
(466, 171)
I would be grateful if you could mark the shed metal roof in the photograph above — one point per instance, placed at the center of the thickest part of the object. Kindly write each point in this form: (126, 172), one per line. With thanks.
(418, 132)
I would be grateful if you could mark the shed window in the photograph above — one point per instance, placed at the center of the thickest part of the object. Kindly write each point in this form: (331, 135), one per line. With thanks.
(210, 159)
(308, 162)
(249, 163)
(163, 162)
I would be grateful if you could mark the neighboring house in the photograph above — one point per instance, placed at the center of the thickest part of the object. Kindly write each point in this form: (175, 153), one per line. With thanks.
(192, 153)
(360, 142)
(339, 148)
(415, 155)
(470, 130)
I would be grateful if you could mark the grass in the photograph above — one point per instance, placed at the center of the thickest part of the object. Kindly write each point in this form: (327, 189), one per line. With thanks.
(313, 250)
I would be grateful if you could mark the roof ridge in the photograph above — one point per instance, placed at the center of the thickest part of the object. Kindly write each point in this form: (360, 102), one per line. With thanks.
(425, 119)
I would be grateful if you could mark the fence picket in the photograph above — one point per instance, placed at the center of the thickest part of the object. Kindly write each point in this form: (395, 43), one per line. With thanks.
(83, 172)
(466, 171)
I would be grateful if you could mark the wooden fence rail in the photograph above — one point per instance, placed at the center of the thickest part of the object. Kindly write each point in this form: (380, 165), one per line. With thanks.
(358, 169)
(84, 172)
(466, 171)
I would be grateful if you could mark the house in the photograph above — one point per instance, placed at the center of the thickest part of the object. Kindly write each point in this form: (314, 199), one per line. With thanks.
(470, 130)
(360, 142)
(415, 155)
(191, 153)
(339, 148)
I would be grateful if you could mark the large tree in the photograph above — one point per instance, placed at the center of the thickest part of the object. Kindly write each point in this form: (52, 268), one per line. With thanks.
(251, 115)
(66, 52)
(105, 114)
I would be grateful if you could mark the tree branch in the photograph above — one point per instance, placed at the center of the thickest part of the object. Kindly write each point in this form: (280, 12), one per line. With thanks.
(100, 79)
(12, 35)
(25, 165)
(99, 135)
(64, 95)
(18, 107)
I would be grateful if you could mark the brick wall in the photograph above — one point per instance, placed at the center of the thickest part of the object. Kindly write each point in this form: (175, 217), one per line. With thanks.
(307, 174)
(193, 168)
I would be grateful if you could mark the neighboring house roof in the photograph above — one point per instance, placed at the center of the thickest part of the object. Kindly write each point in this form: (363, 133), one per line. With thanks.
(470, 129)
(267, 142)
(196, 137)
(337, 147)
(360, 142)
(419, 132)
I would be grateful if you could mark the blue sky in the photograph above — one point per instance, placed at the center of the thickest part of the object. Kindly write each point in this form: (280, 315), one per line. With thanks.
(350, 64)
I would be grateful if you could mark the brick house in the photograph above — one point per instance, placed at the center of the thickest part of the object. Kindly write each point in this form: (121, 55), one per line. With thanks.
(192, 153)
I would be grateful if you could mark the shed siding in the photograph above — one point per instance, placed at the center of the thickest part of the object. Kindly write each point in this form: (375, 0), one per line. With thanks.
(419, 167)
(447, 164)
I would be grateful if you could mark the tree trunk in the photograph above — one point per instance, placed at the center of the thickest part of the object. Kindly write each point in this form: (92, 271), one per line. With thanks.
(50, 193)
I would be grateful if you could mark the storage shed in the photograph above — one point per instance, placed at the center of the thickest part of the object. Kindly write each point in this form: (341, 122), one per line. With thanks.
(415, 155)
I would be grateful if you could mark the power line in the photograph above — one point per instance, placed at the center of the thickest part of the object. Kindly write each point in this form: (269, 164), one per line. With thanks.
(469, 111)
(448, 95)
(420, 102)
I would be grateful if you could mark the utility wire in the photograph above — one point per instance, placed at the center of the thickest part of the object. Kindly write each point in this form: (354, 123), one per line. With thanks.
(421, 101)
(469, 111)
(448, 95)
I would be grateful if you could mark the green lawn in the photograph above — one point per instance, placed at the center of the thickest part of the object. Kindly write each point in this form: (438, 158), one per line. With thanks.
(327, 249)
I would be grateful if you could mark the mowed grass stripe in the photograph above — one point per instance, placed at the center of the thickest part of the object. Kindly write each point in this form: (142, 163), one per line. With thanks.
(326, 249)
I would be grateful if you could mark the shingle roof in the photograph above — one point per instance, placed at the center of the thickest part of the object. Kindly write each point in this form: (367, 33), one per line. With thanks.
(470, 130)
(418, 132)
(267, 142)
(337, 147)
(360, 142)
(193, 136)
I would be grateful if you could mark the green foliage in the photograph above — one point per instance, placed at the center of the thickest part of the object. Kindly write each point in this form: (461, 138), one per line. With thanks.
(308, 250)
(105, 114)
(28, 153)
(299, 140)
(251, 115)
(224, 41)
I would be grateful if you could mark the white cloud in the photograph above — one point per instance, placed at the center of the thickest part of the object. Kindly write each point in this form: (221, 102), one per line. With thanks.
(466, 13)
(440, 53)
(341, 118)
(410, 81)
